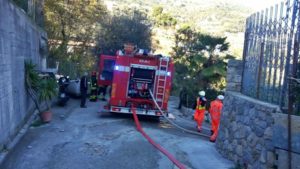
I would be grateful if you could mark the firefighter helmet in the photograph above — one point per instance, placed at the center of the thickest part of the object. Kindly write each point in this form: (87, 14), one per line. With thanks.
(220, 97)
(202, 93)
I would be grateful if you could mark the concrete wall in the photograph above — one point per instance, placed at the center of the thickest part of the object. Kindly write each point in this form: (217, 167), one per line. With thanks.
(254, 133)
(20, 39)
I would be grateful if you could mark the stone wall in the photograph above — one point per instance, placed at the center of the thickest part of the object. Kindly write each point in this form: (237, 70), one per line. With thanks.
(20, 39)
(245, 131)
(254, 133)
(234, 75)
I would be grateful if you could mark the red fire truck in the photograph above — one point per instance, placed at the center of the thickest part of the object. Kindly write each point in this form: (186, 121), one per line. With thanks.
(132, 75)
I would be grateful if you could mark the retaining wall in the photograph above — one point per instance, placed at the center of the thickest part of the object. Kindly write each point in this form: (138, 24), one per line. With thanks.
(20, 40)
(254, 133)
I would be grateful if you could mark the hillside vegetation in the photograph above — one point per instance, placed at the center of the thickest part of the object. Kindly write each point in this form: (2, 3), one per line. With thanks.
(200, 35)
(215, 17)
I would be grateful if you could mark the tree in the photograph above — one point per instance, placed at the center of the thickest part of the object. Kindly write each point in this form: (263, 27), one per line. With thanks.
(39, 89)
(72, 27)
(200, 60)
(157, 11)
(127, 26)
(161, 18)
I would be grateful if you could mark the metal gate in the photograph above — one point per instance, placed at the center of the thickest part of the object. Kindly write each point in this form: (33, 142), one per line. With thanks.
(271, 53)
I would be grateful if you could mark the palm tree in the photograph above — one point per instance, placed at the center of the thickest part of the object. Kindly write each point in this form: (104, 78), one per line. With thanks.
(47, 91)
(200, 60)
(32, 80)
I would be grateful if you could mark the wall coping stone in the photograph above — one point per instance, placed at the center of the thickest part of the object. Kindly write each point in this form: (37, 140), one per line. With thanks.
(253, 100)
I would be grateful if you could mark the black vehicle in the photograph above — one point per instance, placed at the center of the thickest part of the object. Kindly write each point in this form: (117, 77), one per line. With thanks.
(63, 98)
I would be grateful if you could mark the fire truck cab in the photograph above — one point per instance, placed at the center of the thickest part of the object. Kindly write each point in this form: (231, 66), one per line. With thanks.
(134, 76)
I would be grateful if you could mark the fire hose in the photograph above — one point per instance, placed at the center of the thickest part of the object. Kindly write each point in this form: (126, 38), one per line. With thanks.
(174, 124)
(161, 149)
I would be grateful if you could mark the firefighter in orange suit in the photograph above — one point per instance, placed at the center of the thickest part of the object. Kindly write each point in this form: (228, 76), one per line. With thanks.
(215, 114)
(200, 110)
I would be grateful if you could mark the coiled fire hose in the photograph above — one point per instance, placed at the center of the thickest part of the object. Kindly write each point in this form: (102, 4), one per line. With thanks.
(174, 124)
(161, 149)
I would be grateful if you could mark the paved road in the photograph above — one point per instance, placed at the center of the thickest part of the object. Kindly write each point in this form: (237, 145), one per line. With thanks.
(81, 139)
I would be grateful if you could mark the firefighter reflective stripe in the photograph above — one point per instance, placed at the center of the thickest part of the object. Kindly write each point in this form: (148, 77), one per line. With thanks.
(93, 97)
(199, 107)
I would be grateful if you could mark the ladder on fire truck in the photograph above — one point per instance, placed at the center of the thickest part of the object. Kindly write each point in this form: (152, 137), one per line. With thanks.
(161, 80)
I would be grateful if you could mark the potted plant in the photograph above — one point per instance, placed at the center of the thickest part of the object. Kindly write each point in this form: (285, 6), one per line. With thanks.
(40, 90)
(32, 80)
(47, 91)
